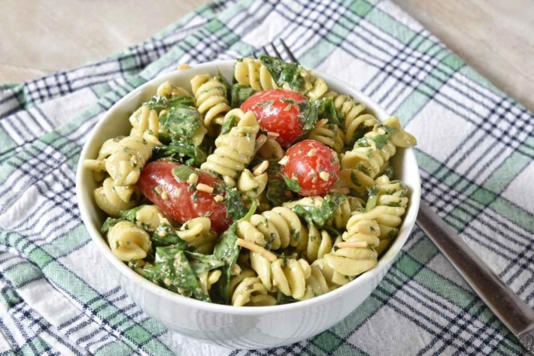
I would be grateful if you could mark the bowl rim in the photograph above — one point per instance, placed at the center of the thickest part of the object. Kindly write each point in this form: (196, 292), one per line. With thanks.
(383, 263)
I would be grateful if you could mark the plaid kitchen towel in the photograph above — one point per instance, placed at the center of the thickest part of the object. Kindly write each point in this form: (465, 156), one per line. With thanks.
(476, 149)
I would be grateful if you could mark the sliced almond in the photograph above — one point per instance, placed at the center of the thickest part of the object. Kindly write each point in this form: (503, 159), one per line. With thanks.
(204, 188)
(260, 168)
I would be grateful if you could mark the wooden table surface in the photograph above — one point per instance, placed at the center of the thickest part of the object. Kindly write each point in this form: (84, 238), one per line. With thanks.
(494, 36)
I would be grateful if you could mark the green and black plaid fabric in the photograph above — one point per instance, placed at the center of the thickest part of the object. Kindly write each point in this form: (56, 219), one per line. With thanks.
(476, 149)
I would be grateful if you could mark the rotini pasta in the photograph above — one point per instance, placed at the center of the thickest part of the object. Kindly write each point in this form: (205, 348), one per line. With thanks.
(113, 199)
(167, 90)
(391, 205)
(150, 217)
(128, 241)
(353, 261)
(125, 163)
(211, 101)
(252, 185)
(250, 291)
(329, 134)
(144, 120)
(355, 116)
(314, 87)
(235, 149)
(287, 275)
(251, 72)
(323, 278)
(274, 229)
(197, 233)
(371, 154)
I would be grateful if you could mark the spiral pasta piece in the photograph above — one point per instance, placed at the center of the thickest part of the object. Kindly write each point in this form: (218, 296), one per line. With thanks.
(351, 261)
(391, 194)
(360, 228)
(355, 116)
(113, 199)
(197, 233)
(252, 185)
(128, 241)
(354, 252)
(144, 120)
(240, 275)
(314, 87)
(250, 291)
(273, 229)
(253, 73)
(124, 165)
(166, 89)
(150, 217)
(329, 134)
(371, 154)
(210, 97)
(323, 278)
(287, 275)
(314, 243)
(235, 149)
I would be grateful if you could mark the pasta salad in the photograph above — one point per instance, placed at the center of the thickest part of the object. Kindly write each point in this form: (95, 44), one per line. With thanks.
(267, 190)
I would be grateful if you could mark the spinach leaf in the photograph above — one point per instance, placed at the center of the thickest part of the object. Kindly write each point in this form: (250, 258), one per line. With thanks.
(284, 299)
(328, 110)
(181, 123)
(108, 223)
(227, 251)
(276, 191)
(292, 184)
(362, 142)
(165, 236)
(182, 173)
(239, 93)
(202, 263)
(309, 113)
(173, 271)
(162, 102)
(381, 140)
(182, 151)
(389, 171)
(323, 215)
(124, 215)
(235, 207)
(131, 213)
(284, 72)
(312, 110)
(228, 123)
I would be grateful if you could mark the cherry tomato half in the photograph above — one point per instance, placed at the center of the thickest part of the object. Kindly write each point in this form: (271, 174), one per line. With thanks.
(277, 111)
(180, 200)
(313, 165)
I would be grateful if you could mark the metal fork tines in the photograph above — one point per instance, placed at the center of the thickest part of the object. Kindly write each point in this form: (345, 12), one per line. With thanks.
(272, 50)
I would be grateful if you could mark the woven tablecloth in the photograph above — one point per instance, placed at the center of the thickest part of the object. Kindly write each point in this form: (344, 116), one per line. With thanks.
(475, 152)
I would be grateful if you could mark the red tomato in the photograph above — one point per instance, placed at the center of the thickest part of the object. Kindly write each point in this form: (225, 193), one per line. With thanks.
(313, 165)
(277, 111)
(175, 198)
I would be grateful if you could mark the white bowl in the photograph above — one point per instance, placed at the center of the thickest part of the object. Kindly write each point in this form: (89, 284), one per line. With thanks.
(235, 327)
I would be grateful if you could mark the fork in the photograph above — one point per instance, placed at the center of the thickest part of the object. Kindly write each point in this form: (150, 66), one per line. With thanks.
(507, 306)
